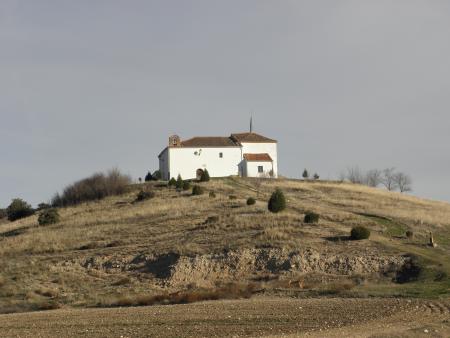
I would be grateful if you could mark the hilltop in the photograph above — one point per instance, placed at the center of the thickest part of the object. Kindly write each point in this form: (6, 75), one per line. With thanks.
(116, 250)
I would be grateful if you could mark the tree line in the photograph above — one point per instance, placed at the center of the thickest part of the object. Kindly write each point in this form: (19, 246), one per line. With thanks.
(390, 178)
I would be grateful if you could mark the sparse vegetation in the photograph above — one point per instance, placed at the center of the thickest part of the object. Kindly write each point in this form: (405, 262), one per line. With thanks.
(19, 209)
(311, 217)
(232, 197)
(186, 185)
(232, 291)
(144, 195)
(3, 213)
(49, 216)
(409, 234)
(251, 201)
(172, 182)
(277, 201)
(148, 177)
(212, 194)
(197, 190)
(157, 175)
(179, 182)
(205, 176)
(359, 233)
(305, 174)
(95, 187)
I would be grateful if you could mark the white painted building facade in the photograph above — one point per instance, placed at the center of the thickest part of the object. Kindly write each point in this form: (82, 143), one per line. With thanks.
(245, 154)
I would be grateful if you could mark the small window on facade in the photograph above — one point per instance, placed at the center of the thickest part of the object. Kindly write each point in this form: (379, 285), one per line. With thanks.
(221, 155)
(260, 169)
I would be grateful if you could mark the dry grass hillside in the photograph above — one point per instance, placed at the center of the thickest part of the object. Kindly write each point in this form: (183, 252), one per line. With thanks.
(179, 248)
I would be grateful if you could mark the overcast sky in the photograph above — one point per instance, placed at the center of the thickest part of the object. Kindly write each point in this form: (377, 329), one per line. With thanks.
(90, 85)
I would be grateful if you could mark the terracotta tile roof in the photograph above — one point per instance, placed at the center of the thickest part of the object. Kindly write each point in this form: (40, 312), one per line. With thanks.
(258, 157)
(209, 142)
(251, 138)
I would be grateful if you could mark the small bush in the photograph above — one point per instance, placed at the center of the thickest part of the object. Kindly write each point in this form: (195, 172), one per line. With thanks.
(251, 201)
(212, 219)
(172, 182)
(148, 177)
(409, 234)
(157, 175)
(232, 197)
(95, 187)
(359, 232)
(277, 201)
(205, 176)
(48, 216)
(212, 194)
(43, 206)
(18, 209)
(186, 185)
(197, 190)
(144, 195)
(179, 183)
(311, 217)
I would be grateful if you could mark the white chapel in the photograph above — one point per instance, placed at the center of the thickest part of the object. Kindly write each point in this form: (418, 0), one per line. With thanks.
(244, 154)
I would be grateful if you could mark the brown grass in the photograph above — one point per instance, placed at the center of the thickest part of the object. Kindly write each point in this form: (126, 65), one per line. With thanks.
(117, 229)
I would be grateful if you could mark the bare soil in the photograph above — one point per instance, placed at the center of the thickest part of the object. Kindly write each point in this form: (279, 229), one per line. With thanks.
(257, 317)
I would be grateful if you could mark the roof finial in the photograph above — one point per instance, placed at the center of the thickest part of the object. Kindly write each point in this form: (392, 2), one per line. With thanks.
(251, 123)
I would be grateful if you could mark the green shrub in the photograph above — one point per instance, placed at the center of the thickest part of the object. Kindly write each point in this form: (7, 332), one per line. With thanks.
(311, 217)
(251, 201)
(212, 194)
(144, 195)
(18, 209)
(93, 188)
(172, 182)
(277, 201)
(148, 177)
(186, 185)
(205, 176)
(157, 175)
(359, 232)
(232, 197)
(49, 216)
(409, 234)
(197, 190)
(43, 206)
(179, 183)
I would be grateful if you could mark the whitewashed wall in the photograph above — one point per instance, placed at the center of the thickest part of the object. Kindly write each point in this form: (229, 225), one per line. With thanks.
(252, 169)
(183, 161)
(261, 148)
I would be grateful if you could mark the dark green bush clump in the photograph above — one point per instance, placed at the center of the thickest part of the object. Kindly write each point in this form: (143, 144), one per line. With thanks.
(205, 176)
(148, 177)
(144, 195)
(251, 201)
(359, 232)
(48, 216)
(19, 209)
(186, 185)
(197, 190)
(172, 182)
(409, 234)
(157, 175)
(277, 201)
(311, 217)
(3, 213)
(43, 206)
(212, 194)
(95, 187)
(179, 183)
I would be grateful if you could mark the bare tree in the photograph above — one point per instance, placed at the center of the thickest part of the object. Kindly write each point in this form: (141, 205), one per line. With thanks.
(388, 179)
(403, 182)
(355, 175)
(374, 178)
